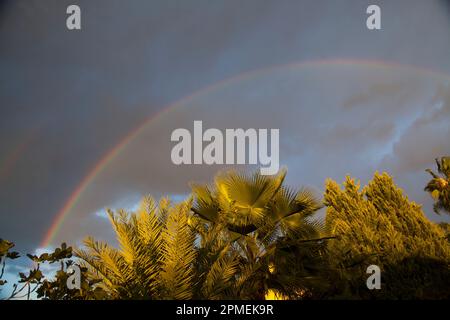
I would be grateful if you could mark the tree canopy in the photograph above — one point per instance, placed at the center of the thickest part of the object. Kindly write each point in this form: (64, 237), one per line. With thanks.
(249, 236)
(379, 225)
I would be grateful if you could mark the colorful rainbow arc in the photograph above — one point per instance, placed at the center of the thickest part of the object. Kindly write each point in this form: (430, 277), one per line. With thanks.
(109, 156)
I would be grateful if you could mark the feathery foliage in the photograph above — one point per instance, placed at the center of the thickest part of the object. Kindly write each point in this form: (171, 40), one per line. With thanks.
(165, 253)
(155, 257)
(379, 225)
(251, 237)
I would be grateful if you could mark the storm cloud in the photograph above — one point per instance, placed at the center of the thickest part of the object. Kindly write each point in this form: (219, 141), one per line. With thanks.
(68, 97)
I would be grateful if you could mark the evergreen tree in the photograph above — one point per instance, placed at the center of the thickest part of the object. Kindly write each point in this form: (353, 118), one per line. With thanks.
(379, 225)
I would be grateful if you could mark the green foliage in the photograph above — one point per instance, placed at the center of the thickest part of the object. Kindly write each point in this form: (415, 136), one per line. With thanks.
(56, 288)
(46, 288)
(248, 234)
(439, 185)
(251, 237)
(280, 247)
(446, 228)
(6, 253)
(379, 225)
(215, 264)
(158, 258)
(249, 203)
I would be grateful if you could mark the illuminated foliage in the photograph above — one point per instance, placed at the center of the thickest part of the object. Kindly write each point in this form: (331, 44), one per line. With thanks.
(279, 244)
(158, 257)
(251, 237)
(379, 225)
(439, 185)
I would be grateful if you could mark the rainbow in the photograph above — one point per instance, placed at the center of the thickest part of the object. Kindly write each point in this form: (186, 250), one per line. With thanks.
(109, 156)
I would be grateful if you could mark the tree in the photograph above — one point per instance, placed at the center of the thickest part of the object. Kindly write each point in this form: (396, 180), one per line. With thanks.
(281, 248)
(158, 257)
(6, 253)
(56, 288)
(46, 287)
(27, 284)
(439, 185)
(379, 225)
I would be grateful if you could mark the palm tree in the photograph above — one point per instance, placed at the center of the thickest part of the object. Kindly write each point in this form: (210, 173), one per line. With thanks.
(158, 257)
(439, 186)
(244, 238)
(279, 244)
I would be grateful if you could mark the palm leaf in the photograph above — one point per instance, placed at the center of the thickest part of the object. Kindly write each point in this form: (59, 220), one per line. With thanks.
(178, 254)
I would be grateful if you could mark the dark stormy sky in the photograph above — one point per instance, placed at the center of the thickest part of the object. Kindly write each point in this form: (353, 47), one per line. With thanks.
(68, 97)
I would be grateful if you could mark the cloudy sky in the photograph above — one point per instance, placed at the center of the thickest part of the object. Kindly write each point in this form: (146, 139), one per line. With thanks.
(347, 100)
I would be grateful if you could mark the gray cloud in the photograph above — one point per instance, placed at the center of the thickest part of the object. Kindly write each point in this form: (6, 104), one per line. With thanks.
(320, 136)
(78, 93)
